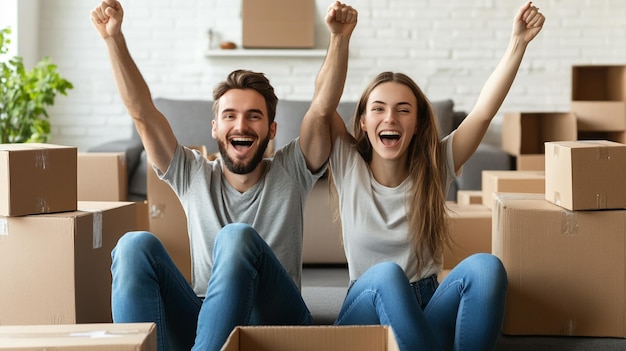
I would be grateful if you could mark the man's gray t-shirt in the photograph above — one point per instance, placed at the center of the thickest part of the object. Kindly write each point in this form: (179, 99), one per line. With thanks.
(274, 206)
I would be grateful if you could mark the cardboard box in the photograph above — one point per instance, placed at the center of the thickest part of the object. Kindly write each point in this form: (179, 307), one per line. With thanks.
(102, 176)
(599, 97)
(470, 230)
(278, 24)
(56, 268)
(469, 197)
(530, 162)
(311, 338)
(84, 337)
(526, 132)
(586, 175)
(511, 182)
(143, 215)
(37, 178)
(565, 268)
(321, 242)
(168, 220)
(618, 137)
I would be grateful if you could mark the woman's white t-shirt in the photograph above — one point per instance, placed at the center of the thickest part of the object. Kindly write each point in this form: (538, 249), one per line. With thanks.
(374, 220)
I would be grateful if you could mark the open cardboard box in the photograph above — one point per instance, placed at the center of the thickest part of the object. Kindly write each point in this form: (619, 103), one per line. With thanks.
(524, 133)
(599, 97)
(312, 338)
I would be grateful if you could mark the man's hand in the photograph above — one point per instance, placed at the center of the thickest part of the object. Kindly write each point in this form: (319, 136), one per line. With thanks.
(107, 18)
(528, 22)
(341, 18)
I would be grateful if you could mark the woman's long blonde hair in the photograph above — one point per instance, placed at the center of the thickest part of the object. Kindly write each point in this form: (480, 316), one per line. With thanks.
(426, 201)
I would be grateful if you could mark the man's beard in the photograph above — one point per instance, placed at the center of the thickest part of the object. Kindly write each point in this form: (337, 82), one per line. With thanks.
(243, 167)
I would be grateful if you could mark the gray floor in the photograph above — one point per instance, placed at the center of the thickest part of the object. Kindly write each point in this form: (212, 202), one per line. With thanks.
(325, 276)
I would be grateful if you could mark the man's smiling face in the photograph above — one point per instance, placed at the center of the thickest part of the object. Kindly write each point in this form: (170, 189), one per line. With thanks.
(242, 129)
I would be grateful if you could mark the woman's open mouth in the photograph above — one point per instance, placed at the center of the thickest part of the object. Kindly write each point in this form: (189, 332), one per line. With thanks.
(389, 138)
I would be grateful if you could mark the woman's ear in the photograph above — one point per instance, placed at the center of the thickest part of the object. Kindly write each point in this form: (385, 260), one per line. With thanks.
(362, 123)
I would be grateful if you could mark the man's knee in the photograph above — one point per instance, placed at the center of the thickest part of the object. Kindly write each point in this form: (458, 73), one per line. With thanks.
(236, 240)
(135, 242)
(235, 236)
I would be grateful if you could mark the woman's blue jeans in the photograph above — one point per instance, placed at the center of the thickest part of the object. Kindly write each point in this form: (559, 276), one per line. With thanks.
(465, 312)
(248, 286)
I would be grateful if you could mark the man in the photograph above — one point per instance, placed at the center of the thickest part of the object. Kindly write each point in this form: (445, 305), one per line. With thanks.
(244, 212)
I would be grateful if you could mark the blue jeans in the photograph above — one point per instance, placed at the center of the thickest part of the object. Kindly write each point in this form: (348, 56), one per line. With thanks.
(248, 286)
(465, 312)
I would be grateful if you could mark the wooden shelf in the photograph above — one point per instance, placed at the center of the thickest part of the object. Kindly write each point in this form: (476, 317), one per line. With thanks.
(267, 53)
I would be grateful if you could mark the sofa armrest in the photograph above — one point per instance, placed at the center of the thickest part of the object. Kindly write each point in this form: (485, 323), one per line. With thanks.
(486, 157)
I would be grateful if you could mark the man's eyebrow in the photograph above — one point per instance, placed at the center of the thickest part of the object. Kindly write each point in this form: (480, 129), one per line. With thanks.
(253, 110)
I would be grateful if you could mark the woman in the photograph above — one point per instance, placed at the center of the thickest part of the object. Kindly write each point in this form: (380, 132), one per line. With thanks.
(392, 178)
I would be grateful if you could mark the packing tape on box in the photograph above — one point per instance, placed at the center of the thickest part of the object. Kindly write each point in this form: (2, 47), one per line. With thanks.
(97, 227)
(4, 226)
(569, 223)
(601, 201)
(556, 198)
(604, 153)
(42, 205)
(41, 159)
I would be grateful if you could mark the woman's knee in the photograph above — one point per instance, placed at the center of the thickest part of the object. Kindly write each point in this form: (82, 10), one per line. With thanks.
(385, 273)
(489, 266)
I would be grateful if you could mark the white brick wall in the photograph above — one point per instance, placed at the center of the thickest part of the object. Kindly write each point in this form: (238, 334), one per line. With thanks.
(449, 47)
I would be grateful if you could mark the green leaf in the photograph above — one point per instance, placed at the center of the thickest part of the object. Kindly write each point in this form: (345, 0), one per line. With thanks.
(25, 95)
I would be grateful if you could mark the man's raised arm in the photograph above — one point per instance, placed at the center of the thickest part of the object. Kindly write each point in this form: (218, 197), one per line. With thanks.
(153, 128)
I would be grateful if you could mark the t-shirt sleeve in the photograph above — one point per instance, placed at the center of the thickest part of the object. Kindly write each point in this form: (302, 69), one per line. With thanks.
(341, 158)
(446, 144)
(291, 158)
(185, 165)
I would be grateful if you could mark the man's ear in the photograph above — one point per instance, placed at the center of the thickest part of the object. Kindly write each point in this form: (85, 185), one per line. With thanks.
(214, 129)
(272, 131)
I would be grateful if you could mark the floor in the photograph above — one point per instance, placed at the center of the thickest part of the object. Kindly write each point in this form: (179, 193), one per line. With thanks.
(322, 276)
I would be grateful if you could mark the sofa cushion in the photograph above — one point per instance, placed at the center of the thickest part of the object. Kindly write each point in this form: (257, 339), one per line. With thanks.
(444, 111)
(190, 120)
(289, 115)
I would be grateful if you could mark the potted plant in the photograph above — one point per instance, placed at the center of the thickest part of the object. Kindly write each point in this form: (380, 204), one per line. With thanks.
(24, 96)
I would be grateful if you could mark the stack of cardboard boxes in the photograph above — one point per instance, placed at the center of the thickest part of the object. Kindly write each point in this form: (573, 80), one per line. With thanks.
(559, 219)
(564, 250)
(55, 252)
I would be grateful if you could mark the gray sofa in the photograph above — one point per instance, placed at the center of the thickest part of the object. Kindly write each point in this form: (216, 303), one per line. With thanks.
(325, 276)
(190, 120)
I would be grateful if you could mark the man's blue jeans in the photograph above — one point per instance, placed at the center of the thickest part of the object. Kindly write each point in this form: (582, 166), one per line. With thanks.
(248, 286)
(465, 312)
